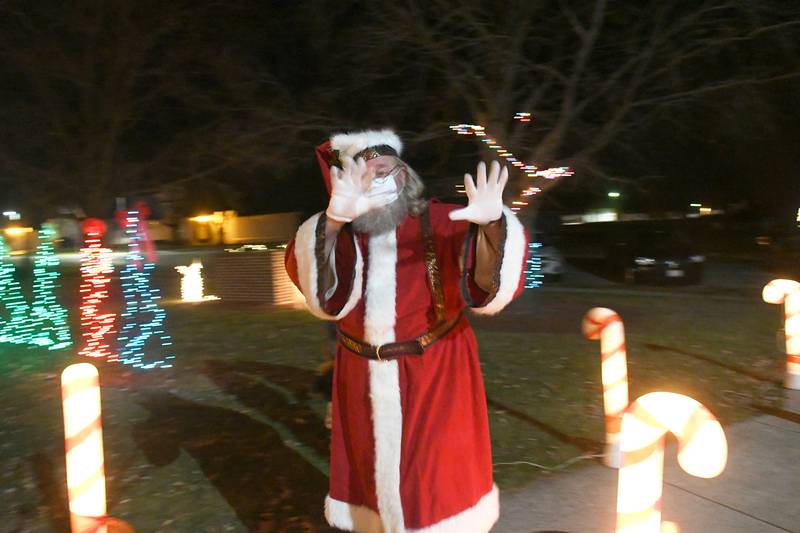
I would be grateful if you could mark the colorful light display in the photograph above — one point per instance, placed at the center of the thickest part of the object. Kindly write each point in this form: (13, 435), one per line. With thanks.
(533, 266)
(48, 317)
(532, 171)
(138, 335)
(192, 283)
(702, 452)
(787, 292)
(97, 328)
(606, 325)
(15, 324)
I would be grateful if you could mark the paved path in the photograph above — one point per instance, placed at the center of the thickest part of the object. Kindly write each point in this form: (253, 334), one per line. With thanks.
(759, 491)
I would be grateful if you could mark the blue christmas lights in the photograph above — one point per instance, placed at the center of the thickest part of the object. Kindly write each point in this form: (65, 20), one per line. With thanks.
(137, 335)
(533, 268)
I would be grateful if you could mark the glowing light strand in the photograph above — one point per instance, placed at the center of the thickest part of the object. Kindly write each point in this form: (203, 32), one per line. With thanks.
(97, 329)
(532, 171)
(15, 324)
(49, 319)
(140, 298)
(533, 268)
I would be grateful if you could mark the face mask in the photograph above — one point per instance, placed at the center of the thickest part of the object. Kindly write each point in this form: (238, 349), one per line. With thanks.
(385, 187)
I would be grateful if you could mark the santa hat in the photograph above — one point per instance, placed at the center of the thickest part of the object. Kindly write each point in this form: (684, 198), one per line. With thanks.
(367, 144)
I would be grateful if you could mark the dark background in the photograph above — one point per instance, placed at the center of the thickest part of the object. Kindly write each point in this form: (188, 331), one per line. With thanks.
(212, 105)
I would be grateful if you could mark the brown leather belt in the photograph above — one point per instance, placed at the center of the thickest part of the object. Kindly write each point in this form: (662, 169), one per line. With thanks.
(393, 350)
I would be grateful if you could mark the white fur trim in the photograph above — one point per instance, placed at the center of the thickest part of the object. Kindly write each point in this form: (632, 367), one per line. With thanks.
(384, 379)
(477, 519)
(387, 424)
(307, 270)
(352, 517)
(349, 144)
(381, 293)
(511, 268)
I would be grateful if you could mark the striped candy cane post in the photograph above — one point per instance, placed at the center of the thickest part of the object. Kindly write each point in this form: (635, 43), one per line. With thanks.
(606, 325)
(702, 452)
(83, 440)
(787, 292)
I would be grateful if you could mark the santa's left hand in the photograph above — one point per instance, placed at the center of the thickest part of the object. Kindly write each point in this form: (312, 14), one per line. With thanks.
(485, 198)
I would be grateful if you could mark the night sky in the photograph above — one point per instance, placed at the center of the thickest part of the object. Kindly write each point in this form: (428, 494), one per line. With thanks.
(208, 105)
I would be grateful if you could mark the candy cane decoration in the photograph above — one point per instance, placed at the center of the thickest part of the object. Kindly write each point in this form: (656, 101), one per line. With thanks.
(702, 452)
(83, 441)
(787, 292)
(606, 325)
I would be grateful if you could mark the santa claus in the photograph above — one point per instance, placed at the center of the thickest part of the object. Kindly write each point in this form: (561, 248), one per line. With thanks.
(410, 446)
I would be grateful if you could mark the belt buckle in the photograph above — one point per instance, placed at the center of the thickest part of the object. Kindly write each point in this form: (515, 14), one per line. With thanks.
(378, 352)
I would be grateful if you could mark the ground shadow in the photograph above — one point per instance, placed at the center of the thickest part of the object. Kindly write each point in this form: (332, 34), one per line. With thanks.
(253, 384)
(270, 487)
(733, 368)
(585, 445)
(53, 495)
(791, 416)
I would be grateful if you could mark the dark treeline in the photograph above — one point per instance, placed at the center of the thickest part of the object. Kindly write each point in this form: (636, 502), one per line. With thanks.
(219, 104)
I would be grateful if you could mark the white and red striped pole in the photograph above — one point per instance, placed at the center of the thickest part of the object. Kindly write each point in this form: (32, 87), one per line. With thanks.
(787, 292)
(83, 441)
(702, 452)
(606, 325)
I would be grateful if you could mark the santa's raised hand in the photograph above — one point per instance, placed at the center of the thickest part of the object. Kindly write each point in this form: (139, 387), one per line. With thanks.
(485, 195)
(349, 191)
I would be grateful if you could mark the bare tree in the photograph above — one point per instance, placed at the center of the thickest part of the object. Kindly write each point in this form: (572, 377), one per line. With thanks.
(121, 98)
(590, 71)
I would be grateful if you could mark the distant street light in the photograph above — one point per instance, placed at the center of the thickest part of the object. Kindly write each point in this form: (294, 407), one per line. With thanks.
(614, 194)
(695, 205)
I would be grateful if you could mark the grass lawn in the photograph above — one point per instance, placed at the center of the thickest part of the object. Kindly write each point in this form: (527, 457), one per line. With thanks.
(231, 439)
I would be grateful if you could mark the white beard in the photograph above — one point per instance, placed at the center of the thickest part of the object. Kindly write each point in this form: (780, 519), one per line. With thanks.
(384, 219)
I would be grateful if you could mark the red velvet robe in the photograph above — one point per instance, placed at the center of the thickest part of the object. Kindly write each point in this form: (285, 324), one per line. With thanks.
(410, 446)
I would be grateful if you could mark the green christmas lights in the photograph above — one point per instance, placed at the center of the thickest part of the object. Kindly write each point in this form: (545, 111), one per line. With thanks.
(47, 316)
(15, 324)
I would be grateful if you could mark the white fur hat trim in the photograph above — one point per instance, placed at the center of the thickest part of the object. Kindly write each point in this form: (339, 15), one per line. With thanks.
(350, 144)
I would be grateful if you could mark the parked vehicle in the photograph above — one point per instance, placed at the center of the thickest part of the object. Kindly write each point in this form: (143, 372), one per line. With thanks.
(780, 252)
(655, 255)
(552, 262)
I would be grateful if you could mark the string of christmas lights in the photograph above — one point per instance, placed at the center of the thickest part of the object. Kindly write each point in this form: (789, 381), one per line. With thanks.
(532, 171)
(141, 298)
(15, 324)
(97, 329)
(533, 267)
(48, 317)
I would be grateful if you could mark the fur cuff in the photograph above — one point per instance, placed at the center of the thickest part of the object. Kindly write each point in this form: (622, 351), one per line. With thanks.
(305, 252)
(512, 262)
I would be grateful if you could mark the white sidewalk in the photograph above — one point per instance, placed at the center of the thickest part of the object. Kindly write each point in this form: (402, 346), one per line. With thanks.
(759, 491)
